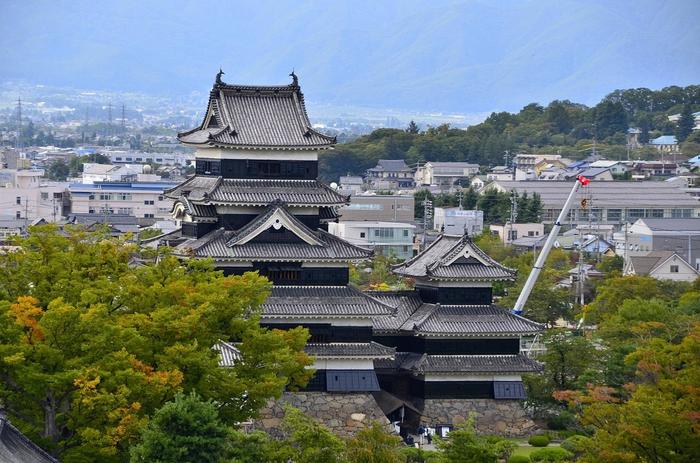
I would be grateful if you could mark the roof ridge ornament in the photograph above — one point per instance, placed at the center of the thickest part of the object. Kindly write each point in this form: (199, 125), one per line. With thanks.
(218, 78)
(295, 79)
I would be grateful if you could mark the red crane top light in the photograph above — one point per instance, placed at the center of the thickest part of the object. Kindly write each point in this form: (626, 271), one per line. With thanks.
(584, 181)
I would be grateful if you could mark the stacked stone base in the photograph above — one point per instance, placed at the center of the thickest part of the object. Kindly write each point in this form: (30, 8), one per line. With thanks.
(344, 414)
(502, 417)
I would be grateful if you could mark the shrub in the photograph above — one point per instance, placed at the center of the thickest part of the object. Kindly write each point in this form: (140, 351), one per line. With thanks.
(576, 444)
(539, 440)
(519, 459)
(551, 455)
(560, 421)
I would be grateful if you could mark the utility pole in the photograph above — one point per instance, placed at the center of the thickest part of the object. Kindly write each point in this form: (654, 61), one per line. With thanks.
(109, 118)
(513, 214)
(53, 202)
(427, 214)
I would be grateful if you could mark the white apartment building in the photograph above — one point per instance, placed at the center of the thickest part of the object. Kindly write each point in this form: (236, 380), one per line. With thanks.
(456, 221)
(139, 199)
(512, 231)
(26, 195)
(389, 238)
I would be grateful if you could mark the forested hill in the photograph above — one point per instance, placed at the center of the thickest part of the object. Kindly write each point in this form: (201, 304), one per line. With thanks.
(561, 127)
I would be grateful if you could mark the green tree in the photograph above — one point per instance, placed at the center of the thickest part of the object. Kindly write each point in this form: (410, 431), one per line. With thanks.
(658, 420)
(188, 429)
(558, 116)
(463, 445)
(567, 359)
(309, 441)
(90, 346)
(412, 128)
(685, 123)
(374, 445)
(58, 170)
(610, 118)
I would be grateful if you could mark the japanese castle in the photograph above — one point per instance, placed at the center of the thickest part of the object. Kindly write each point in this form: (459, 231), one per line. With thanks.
(255, 204)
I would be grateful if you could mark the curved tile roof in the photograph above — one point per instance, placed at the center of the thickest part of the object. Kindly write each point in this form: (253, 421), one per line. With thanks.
(257, 192)
(257, 117)
(456, 258)
(470, 364)
(371, 350)
(321, 301)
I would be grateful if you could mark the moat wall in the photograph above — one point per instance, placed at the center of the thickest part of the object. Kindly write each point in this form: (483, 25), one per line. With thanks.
(345, 414)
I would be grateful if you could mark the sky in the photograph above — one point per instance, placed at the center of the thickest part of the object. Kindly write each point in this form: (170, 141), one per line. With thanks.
(443, 56)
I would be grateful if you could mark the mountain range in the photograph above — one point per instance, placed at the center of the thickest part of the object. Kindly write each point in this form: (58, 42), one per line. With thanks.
(444, 56)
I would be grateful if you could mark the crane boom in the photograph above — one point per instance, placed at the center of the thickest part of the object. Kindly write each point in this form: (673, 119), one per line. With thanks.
(535, 273)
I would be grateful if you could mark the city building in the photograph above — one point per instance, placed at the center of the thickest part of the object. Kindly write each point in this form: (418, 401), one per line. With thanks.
(132, 198)
(456, 221)
(27, 195)
(390, 174)
(662, 265)
(137, 157)
(529, 166)
(512, 231)
(393, 239)
(93, 172)
(351, 184)
(608, 202)
(444, 174)
(379, 208)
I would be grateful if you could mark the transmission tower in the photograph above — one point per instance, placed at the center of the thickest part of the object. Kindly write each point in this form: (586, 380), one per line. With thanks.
(19, 125)
(123, 118)
(109, 118)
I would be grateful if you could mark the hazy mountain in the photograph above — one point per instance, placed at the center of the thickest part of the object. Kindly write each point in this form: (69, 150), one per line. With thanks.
(461, 56)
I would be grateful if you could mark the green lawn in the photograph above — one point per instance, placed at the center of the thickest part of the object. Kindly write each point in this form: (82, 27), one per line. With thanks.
(526, 449)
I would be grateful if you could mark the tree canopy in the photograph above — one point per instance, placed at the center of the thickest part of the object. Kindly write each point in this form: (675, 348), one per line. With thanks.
(91, 344)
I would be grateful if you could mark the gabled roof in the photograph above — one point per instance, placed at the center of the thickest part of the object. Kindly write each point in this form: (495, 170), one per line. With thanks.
(198, 212)
(256, 192)
(276, 216)
(414, 316)
(457, 258)
(322, 302)
(15, 447)
(216, 245)
(256, 117)
(648, 263)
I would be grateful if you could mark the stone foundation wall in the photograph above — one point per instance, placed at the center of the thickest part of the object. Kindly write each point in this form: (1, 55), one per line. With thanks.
(503, 417)
(344, 414)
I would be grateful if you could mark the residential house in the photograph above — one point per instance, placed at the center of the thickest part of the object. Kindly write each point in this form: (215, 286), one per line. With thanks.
(390, 174)
(512, 231)
(444, 174)
(500, 173)
(662, 265)
(665, 144)
(616, 167)
(598, 174)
